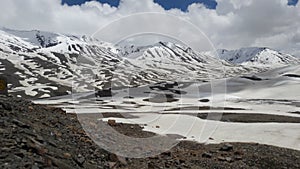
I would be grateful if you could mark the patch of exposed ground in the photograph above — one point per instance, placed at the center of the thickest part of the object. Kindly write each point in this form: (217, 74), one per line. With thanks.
(249, 117)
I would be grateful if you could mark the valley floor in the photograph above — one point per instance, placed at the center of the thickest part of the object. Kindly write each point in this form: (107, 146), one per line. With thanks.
(260, 108)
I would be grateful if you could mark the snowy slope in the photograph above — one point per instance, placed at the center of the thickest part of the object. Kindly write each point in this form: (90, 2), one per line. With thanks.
(42, 64)
(46, 64)
(249, 108)
(178, 60)
(255, 56)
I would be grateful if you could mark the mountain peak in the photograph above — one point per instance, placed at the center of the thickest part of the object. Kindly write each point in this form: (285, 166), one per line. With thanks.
(257, 56)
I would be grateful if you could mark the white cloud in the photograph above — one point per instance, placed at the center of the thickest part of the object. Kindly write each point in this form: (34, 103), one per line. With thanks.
(233, 24)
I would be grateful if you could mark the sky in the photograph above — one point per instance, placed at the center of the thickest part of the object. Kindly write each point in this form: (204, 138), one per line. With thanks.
(229, 24)
(166, 4)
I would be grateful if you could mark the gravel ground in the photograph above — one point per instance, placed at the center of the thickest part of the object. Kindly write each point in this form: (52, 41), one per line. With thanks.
(38, 136)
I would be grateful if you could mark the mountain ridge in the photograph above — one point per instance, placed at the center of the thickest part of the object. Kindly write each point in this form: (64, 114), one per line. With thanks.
(257, 55)
(36, 68)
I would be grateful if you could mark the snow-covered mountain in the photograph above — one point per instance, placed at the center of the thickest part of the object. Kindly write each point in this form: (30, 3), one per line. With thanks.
(40, 64)
(257, 56)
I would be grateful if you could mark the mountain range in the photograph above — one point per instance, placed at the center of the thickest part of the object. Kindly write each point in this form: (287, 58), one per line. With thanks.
(41, 64)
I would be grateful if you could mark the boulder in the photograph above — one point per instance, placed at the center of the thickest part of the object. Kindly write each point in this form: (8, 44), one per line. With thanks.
(104, 93)
(3, 86)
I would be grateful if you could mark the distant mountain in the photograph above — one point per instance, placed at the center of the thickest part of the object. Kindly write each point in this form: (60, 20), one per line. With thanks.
(257, 56)
(41, 64)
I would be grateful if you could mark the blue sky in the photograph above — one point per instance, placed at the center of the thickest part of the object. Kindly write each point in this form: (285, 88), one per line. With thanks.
(292, 2)
(167, 4)
(78, 2)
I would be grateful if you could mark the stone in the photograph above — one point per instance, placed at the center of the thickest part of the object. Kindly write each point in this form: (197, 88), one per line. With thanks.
(3, 86)
(167, 153)
(226, 147)
(79, 160)
(113, 158)
(220, 158)
(39, 138)
(181, 161)
(2, 123)
(229, 159)
(20, 124)
(122, 160)
(151, 165)
(35, 166)
(104, 93)
(111, 122)
(204, 100)
(58, 163)
(238, 153)
(30, 108)
(67, 155)
(112, 164)
(238, 157)
(171, 84)
(206, 155)
(6, 106)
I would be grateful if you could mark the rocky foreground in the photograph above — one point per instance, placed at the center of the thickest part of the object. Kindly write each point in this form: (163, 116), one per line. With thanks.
(38, 136)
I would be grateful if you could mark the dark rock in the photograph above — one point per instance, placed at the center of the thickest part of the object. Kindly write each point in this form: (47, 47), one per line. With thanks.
(171, 84)
(35, 166)
(39, 138)
(111, 122)
(151, 165)
(128, 97)
(253, 77)
(226, 147)
(122, 160)
(20, 154)
(3, 86)
(3, 156)
(238, 153)
(2, 123)
(60, 164)
(104, 93)
(168, 153)
(6, 106)
(113, 158)
(181, 161)
(220, 158)
(161, 98)
(52, 143)
(206, 155)
(238, 157)
(229, 159)
(112, 164)
(79, 160)
(292, 75)
(204, 100)
(20, 124)
(67, 155)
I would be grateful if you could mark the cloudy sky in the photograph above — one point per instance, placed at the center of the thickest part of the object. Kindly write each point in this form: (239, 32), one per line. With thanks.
(228, 24)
